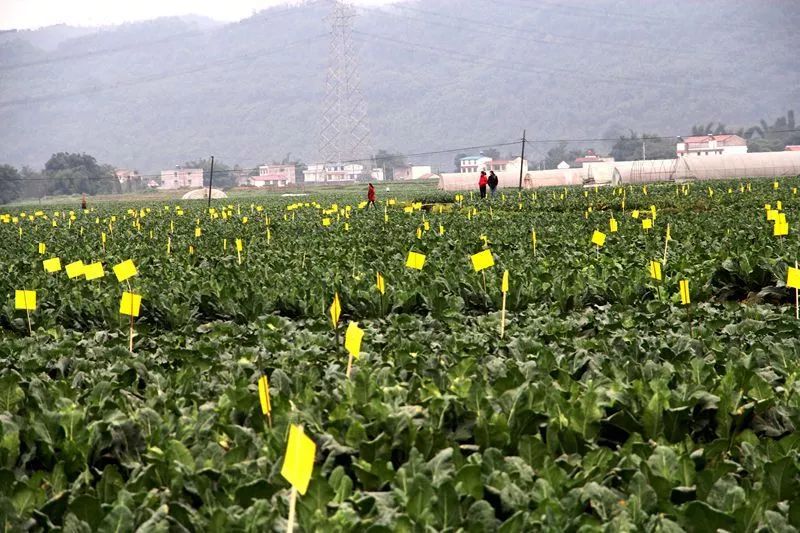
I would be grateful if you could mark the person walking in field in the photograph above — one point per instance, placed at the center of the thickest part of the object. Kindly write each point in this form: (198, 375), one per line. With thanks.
(482, 182)
(493, 182)
(371, 196)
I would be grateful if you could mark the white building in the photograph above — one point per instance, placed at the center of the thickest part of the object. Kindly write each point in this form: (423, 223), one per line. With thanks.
(339, 173)
(182, 178)
(701, 145)
(474, 163)
(413, 172)
(276, 175)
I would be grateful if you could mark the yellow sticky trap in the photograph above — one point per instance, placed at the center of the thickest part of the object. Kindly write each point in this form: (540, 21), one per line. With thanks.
(441, 229)
(779, 205)
(52, 265)
(772, 215)
(598, 238)
(335, 309)
(42, 248)
(781, 229)
(647, 224)
(93, 271)
(125, 270)
(130, 304)
(655, 270)
(244, 220)
(239, 245)
(326, 222)
(25, 300)
(75, 269)
(381, 284)
(684, 288)
(793, 278)
(299, 461)
(352, 339)
(504, 285)
(263, 395)
(635, 214)
(415, 260)
(482, 260)
(613, 226)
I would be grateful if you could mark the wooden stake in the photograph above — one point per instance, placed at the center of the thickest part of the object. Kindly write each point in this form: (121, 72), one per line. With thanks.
(292, 505)
(28, 313)
(666, 243)
(484, 279)
(130, 333)
(503, 317)
(349, 364)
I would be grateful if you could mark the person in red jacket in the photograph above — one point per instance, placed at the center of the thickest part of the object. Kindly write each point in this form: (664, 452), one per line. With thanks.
(482, 183)
(371, 196)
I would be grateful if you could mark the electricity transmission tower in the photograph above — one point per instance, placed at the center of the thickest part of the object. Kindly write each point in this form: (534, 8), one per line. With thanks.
(344, 135)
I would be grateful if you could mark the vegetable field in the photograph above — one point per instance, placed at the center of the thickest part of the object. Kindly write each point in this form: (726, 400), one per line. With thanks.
(613, 400)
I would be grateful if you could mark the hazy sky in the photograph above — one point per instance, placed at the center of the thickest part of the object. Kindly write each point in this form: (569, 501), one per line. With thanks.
(37, 13)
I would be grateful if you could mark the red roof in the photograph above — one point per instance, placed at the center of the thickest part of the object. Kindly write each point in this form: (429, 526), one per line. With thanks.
(793, 148)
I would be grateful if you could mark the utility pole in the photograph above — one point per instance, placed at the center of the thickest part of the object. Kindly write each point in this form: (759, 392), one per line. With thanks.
(522, 159)
(210, 181)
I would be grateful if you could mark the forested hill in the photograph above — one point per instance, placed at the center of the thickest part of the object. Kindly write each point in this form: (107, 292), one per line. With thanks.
(437, 74)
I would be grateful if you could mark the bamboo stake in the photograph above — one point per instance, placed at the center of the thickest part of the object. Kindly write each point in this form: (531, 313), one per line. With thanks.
(666, 244)
(130, 333)
(503, 317)
(28, 313)
(349, 364)
(292, 505)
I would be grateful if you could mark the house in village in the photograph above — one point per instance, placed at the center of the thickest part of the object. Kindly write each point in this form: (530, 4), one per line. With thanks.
(275, 175)
(340, 173)
(182, 178)
(701, 145)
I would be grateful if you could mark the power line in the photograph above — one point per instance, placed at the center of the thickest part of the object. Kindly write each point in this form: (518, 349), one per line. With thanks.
(528, 33)
(153, 77)
(146, 43)
(517, 66)
(405, 155)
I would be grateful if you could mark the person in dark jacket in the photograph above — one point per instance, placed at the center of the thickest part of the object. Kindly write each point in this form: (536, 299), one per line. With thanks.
(482, 182)
(83, 201)
(493, 182)
(371, 196)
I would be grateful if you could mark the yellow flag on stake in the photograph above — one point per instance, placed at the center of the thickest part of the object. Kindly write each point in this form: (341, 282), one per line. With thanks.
(263, 395)
(647, 223)
(415, 260)
(793, 278)
(504, 286)
(299, 461)
(781, 229)
(75, 269)
(42, 248)
(93, 271)
(613, 226)
(598, 238)
(335, 309)
(25, 300)
(381, 284)
(125, 270)
(482, 260)
(684, 288)
(130, 304)
(52, 265)
(655, 270)
(352, 339)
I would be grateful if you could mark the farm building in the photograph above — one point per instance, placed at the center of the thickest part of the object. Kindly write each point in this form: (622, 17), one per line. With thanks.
(711, 167)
